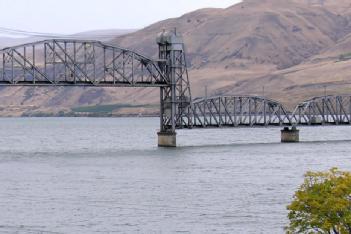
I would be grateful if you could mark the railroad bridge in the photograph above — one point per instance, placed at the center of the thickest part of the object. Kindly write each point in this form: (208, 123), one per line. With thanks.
(60, 62)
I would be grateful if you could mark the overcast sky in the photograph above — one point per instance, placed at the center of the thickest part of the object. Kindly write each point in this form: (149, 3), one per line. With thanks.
(71, 16)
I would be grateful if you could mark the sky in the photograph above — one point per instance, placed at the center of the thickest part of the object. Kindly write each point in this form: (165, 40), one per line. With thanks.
(72, 16)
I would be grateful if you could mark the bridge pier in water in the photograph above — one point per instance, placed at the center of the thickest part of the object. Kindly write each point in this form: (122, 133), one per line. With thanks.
(167, 139)
(290, 135)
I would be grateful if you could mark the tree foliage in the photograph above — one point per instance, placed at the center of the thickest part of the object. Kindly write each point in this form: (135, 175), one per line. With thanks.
(322, 204)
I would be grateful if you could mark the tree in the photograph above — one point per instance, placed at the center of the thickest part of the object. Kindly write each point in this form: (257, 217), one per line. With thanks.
(322, 204)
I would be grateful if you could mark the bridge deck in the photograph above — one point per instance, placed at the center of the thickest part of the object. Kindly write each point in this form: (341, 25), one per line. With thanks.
(265, 126)
(84, 84)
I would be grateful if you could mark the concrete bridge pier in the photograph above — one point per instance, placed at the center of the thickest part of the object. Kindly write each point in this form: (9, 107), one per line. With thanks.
(290, 135)
(167, 139)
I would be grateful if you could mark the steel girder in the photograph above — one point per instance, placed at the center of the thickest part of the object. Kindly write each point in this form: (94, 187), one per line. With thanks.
(175, 99)
(325, 110)
(78, 63)
(238, 111)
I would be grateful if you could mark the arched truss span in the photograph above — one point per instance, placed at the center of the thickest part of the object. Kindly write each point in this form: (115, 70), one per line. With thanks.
(238, 111)
(325, 110)
(77, 62)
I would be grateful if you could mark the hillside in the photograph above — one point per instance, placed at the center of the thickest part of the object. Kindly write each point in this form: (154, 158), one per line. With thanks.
(292, 48)
(257, 43)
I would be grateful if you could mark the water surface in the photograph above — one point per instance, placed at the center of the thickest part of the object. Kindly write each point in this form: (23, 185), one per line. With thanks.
(105, 175)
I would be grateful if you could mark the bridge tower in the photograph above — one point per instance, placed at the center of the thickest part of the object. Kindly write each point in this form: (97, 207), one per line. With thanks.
(175, 99)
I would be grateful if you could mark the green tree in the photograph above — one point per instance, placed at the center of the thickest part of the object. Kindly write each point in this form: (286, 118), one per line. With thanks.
(322, 204)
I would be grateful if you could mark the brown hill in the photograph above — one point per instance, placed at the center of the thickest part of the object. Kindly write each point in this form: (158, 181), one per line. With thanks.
(260, 43)
(262, 32)
(289, 47)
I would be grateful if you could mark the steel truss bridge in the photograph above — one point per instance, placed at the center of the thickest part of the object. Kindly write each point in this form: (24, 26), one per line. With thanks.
(96, 64)
(254, 111)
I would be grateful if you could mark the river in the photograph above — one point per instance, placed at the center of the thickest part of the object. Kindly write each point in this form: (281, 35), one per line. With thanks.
(106, 175)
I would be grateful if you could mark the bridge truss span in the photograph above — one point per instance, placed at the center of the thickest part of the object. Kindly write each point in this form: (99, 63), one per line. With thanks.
(239, 111)
(324, 110)
(61, 62)
(77, 62)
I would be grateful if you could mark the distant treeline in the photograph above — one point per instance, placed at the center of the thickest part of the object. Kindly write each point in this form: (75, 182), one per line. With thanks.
(92, 111)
